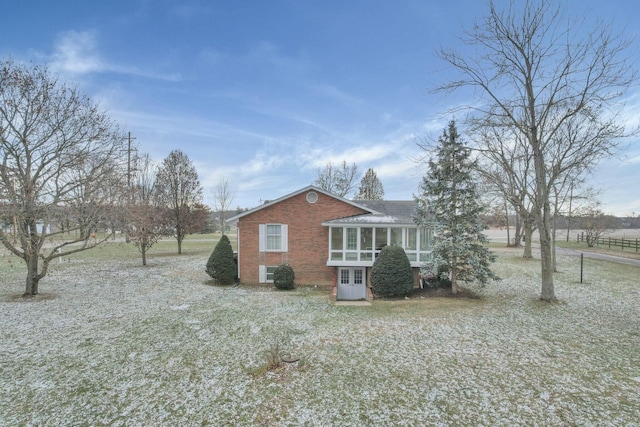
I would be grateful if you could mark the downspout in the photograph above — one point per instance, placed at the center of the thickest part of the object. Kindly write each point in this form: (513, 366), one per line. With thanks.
(238, 250)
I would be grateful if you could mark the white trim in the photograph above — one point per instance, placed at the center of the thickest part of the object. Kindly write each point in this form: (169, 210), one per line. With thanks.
(350, 290)
(284, 230)
(263, 273)
(367, 263)
(238, 252)
(364, 254)
(311, 197)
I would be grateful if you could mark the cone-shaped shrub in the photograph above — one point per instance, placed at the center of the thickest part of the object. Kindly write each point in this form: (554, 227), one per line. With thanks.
(283, 277)
(391, 274)
(221, 265)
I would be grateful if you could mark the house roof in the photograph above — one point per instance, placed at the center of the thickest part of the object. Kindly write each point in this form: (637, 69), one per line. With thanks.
(400, 212)
(295, 193)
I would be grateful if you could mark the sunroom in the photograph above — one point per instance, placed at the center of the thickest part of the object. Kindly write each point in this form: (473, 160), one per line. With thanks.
(359, 245)
(357, 240)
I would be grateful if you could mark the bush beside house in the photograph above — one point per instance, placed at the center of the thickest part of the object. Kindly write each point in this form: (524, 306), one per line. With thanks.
(221, 265)
(284, 276)
(391, 274)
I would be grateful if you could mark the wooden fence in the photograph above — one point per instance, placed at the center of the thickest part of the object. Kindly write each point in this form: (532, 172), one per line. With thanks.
(613, 242)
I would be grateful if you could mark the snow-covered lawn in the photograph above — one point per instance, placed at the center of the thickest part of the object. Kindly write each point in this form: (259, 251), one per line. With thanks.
(122, 345)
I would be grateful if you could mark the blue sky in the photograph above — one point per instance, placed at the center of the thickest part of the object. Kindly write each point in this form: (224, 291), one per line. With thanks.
(264, 93)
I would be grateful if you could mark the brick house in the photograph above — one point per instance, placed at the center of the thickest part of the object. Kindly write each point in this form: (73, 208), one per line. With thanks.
(328, 240)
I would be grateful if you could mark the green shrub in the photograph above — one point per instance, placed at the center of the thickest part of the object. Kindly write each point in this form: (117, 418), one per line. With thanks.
(283, 276)
(391, 275)
(221, 265)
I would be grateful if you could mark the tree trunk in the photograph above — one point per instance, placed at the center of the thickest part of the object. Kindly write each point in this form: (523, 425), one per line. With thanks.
(143, 250)
(506, 216)
(31, 288)
(542, 215)
(553, 246)
(517, 232)
(528, 237)
(454, 281)
(547, 292)
(543, 219)
(179, 236)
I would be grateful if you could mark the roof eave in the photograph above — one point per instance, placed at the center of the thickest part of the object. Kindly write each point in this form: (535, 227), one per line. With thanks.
(295, 193)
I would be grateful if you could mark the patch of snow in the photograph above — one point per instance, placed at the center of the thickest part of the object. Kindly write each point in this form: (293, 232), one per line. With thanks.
(155, 346)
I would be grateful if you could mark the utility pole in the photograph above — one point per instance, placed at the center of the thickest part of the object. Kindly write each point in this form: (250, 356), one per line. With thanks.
(129, 192)
(129, 139)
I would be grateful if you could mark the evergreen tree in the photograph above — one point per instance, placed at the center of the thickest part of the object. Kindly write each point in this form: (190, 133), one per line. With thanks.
(370, 187)
(221, 265)
(450, 204)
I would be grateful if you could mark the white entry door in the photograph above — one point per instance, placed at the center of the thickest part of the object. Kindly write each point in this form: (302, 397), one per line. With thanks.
(352, 283)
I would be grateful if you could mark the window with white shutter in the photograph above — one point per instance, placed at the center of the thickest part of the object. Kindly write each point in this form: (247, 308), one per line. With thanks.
(273, 238)
(265, 273)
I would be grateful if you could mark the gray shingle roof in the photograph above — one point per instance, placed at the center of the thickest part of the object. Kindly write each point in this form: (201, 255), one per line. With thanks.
(398, 212)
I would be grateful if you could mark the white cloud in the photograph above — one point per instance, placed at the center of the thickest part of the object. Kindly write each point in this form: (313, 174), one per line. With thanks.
(263, 162)
(76, 52)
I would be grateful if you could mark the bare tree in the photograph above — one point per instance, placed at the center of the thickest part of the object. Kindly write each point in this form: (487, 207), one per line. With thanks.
(179, 190)
(145, 219)
(536, 71)
(506, 163)
(595, 224)
(61, 163)
(338, 180)
(370, 187)
(222, 202)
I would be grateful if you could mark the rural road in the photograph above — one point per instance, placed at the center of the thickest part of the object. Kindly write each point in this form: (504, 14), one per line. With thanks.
(603, 257)
(499, 235)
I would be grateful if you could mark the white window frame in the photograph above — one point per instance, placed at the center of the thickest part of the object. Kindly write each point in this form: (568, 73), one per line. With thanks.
(363, 255)
(284, 238)
(264, 273)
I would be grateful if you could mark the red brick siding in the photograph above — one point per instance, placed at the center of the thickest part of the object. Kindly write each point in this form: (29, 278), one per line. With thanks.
(308, 239)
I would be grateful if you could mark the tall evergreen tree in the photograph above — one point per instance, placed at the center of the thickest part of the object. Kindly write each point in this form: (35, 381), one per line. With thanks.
(450, 204)
(370, 187)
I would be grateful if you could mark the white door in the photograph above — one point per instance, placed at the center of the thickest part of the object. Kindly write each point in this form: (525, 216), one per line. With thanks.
(352, 284)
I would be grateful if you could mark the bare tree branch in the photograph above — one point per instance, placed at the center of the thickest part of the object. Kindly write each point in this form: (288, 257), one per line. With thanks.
(554, 86)
(60, 168)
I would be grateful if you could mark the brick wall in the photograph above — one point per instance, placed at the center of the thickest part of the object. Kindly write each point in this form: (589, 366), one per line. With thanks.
(308, 239)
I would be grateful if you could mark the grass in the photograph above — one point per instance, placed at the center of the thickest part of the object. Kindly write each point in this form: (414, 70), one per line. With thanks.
(120, 344)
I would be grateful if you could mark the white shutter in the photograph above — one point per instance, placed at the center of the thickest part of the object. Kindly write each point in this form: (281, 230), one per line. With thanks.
(284, 229)
(262, 237)
(262, 273)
